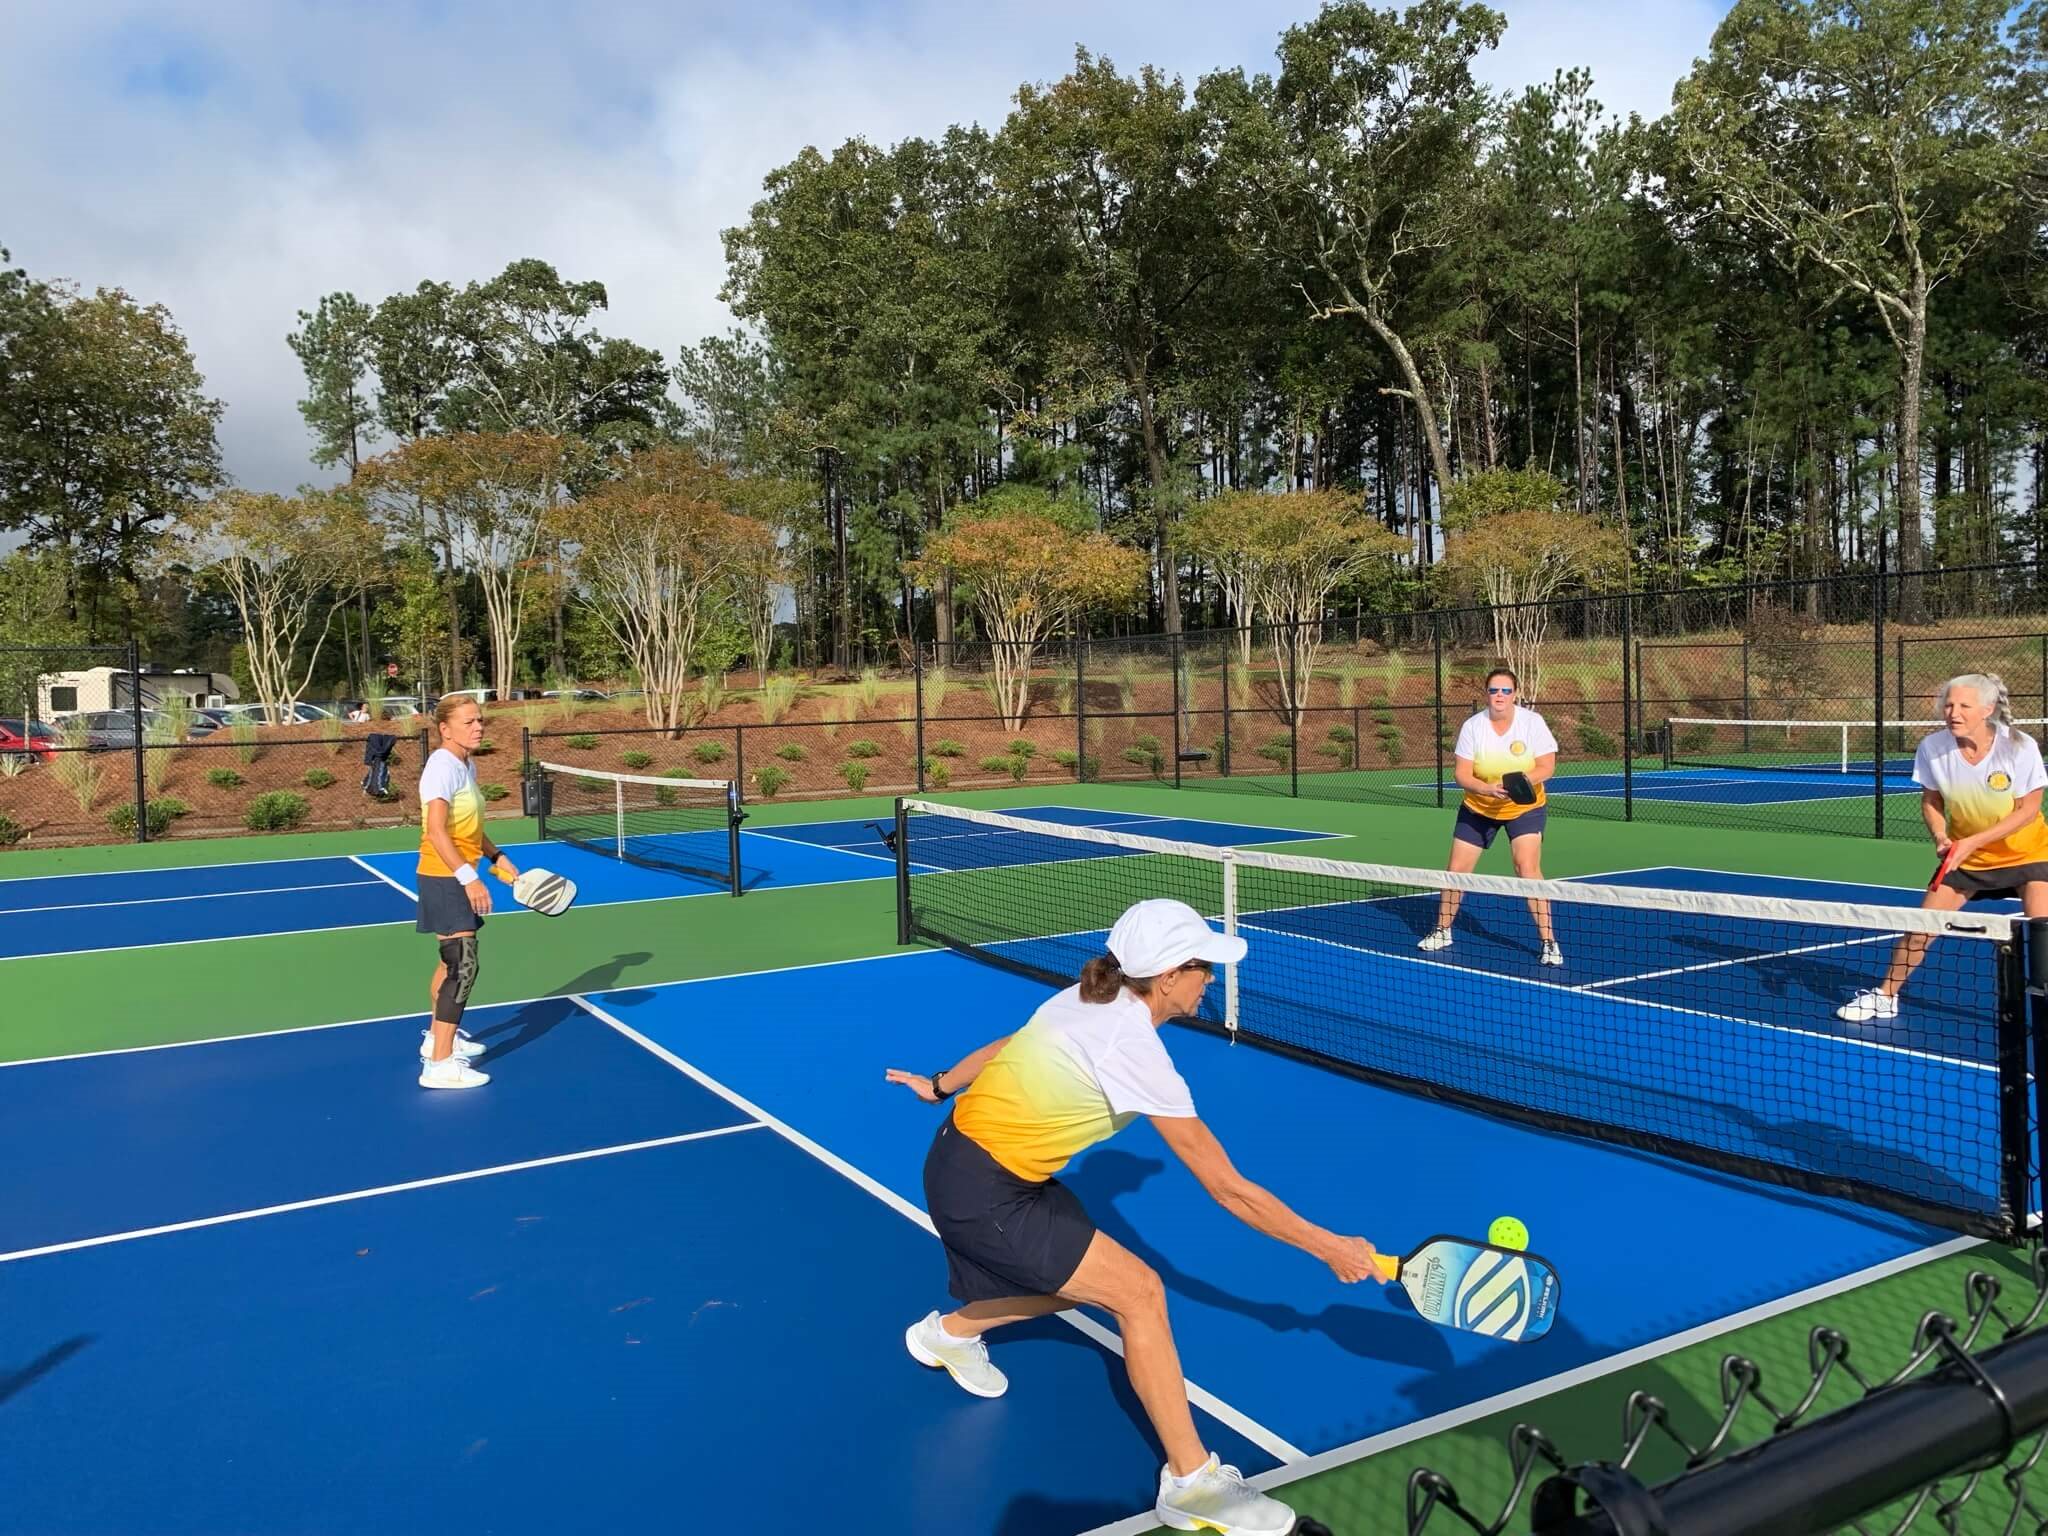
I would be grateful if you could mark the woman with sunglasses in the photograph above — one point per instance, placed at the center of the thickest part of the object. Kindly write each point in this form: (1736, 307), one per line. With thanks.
(1501, 741)
(1019, 1245)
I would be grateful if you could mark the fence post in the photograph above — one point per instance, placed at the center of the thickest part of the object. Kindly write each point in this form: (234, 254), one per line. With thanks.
(1436, 642)
(1899, 674)
(1628, 704)
(1173, 656)
(917, 676)
(135, 715)
(1298, 701)
(1747, 711)
(1080, 708)
(1877, 756)
(739, 758)
(1230, 644)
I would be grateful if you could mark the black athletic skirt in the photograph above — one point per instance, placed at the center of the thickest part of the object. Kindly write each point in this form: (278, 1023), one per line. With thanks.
(444, 906)
(1004, 1236)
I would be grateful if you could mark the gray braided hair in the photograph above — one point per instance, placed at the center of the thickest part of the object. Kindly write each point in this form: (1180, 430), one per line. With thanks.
(1986, 685)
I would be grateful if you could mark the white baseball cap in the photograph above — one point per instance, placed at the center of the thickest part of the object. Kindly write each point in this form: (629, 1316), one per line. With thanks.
(1152, 937)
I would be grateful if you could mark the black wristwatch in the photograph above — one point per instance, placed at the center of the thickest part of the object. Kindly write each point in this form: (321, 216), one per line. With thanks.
(942, 1097)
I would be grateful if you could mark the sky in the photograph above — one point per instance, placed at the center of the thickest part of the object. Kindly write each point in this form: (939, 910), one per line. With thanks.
(234, 161)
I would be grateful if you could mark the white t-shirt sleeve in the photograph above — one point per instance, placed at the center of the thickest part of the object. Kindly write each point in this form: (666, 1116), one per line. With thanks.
(1538, 736)
(1138, 1077)
(1923, 763)
(2028, 774)
(1468, 739)
(441, 779)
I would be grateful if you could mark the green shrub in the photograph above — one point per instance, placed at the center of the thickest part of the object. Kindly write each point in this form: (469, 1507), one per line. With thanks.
(582, 743)
(855, 774)
(1593, 741)
(1390, 742)
(1695, 740)
(493, 792)
(1082, 768)
(1024, 747)
(160, 815)
(948, 748)
(1337, 751)
(937, 774)
(278, 810)
(1383, 717)
(484, 749)
(865, 749)
(996, 763)
(769, 780)
(708, 751)
(1341, 733)
(11, 831)
(635, 761)
(223, 778)
(790, 752)
(664, 797)
(1150, 761)
(318, 778)
(1278, 750)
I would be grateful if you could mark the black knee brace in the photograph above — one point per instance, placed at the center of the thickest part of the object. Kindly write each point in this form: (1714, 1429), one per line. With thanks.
(458, 957)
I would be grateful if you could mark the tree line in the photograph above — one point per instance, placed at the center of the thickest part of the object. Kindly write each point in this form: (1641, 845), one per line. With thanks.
(1352, 333)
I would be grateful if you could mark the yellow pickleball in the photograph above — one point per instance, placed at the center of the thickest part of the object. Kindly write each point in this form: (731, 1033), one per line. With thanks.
(1507, 1232)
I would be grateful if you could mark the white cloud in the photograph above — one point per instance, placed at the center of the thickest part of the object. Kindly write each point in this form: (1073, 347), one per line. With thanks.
(237, 160)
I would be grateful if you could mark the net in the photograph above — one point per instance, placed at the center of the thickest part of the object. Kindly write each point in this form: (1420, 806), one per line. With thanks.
(689, 826)
(1694, 1024)
(1846, 747)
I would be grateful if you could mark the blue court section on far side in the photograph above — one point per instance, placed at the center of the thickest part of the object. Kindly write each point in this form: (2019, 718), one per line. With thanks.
(63, 914)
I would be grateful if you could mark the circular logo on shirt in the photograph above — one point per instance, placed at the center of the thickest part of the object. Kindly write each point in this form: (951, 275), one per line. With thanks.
(1518, 748)
(2000, 780)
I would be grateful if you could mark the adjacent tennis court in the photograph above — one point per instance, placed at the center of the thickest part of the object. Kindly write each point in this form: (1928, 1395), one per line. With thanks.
(670, 1252)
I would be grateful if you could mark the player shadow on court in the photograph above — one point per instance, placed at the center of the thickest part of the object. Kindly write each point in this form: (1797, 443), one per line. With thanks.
(535, 1020)
(15, 1382)
(1371, 1332)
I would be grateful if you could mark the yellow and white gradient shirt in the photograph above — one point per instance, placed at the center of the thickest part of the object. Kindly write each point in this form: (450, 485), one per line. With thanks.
(1980, 795)
(448, 777)
(1076, 1074)
(1493, 756)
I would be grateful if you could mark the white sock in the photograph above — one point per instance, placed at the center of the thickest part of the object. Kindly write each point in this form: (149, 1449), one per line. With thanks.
(1188, 1481)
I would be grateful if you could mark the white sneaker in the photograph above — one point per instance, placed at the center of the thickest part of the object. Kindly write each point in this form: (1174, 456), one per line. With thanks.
(1872, 1004)
(465, 1047)
(1552, 955)
(451, 1072)
(1439, 938)
(966, 1360)
(1217, 1498)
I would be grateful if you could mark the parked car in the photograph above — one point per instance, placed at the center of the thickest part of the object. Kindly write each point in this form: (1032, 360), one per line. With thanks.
(28, 739)
(588, 695)
(109, 730)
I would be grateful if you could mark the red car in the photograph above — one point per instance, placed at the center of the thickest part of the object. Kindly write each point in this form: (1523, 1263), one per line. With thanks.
(27, 738)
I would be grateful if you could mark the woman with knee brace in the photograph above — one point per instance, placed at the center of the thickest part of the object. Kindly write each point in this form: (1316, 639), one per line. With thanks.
(454, 900)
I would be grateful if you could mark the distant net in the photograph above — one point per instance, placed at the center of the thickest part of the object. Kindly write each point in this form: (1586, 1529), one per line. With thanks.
(1694, 1024)
(688, 826)
(1845, 747)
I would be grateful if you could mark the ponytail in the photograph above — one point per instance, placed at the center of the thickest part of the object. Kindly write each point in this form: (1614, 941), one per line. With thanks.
(1102, 979)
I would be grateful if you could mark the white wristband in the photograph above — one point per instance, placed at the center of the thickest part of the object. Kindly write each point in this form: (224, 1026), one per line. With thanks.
(466, 875)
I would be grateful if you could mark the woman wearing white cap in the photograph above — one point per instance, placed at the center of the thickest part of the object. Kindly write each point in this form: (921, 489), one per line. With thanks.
(1019, 1245)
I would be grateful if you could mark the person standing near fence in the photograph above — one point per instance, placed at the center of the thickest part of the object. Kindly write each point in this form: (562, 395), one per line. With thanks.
(1981, 784)
(1504, 755)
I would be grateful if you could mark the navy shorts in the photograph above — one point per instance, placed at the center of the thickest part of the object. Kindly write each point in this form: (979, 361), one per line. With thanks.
(1004, 1236)
(1995, 884)
(1480, 830)
(444, 906)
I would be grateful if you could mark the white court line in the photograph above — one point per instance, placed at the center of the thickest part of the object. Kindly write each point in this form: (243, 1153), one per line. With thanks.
(153, 901)
(407, 892)
(186, 869)
(364, 1194)
(802, 842)
(1715, 965)
(1269, 1442)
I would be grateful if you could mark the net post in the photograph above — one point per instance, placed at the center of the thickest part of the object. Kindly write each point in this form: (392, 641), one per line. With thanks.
(2022, 1023)
(135, 714)
(733, 817)
(903, 925)
(1294, 714)
(1436, 642)
(619, 813)
(917, 679)
(1230, 927)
